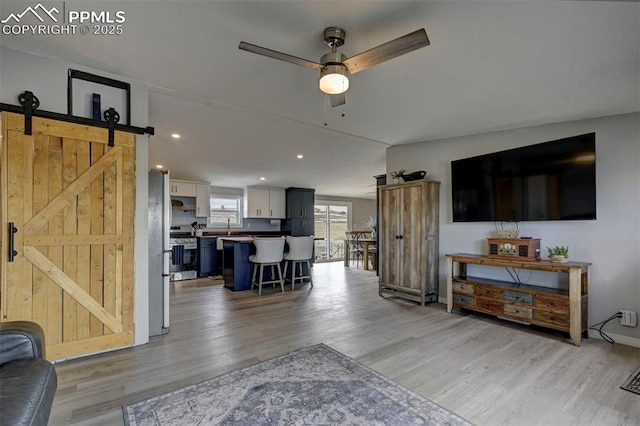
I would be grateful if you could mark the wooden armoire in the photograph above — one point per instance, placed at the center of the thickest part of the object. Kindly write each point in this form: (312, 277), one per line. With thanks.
(67, 217)
(408, 240)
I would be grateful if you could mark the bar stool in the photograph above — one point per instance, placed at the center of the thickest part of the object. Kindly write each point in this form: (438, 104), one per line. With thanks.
(269, 252)
(300, 252)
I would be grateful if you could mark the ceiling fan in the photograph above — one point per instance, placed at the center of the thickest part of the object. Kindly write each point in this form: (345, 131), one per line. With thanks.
(335, 68)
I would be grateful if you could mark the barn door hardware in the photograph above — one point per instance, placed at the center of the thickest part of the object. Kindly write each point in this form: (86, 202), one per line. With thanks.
(30, 103)
(12, 252)
(111, 116)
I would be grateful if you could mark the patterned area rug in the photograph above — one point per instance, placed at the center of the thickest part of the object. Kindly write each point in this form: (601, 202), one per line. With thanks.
(311, 386)
(632, 384)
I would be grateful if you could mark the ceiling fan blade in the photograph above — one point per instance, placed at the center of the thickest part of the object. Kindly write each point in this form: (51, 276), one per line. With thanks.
(279, 55)
(384, 52)
(336, 100)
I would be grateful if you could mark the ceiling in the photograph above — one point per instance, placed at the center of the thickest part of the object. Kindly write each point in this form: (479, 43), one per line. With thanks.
(491, 65)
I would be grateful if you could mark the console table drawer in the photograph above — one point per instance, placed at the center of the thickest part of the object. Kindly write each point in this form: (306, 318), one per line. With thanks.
(516, 296)
(490, 305)
(553, 318)
(488, 291)
(552, 302)
(460, 298)
(518, 311)
(463, 288)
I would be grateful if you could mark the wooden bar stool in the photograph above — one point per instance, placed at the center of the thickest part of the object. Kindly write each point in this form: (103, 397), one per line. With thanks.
(269, 252)
(300, 253)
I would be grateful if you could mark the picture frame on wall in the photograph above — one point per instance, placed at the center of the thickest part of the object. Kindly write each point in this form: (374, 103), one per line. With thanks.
(90, 95)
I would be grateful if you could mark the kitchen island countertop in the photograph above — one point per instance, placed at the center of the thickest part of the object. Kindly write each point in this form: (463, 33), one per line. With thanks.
(237, 239)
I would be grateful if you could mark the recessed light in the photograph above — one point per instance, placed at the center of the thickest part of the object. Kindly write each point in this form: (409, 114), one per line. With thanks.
(300, 156)
(159, 166)
(263, 178)
(175, 135)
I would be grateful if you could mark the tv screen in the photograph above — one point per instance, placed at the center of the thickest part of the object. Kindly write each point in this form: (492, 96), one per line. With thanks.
(548, 181)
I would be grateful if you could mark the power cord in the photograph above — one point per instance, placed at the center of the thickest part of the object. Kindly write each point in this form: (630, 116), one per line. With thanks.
(604, 335)
(515, 275)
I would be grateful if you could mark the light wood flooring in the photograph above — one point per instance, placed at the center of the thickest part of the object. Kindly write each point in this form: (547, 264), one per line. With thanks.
(489, 371)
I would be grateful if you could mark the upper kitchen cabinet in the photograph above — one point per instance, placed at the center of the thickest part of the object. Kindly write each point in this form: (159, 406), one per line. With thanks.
(266, 203)
(180, 188)
(203, 200)
(300, 202)
(201, 191)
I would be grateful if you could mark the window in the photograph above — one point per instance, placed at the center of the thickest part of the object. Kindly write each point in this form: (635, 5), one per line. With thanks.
(332, 219)
(225, 208)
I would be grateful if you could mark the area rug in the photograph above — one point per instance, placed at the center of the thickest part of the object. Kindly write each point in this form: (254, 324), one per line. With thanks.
(632, 384)
(311, 386)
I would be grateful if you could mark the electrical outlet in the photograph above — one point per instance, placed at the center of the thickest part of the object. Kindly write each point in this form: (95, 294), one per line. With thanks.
(629, 318)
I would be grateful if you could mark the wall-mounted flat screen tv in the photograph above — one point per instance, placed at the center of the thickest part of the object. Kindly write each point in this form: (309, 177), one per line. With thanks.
(547, 181)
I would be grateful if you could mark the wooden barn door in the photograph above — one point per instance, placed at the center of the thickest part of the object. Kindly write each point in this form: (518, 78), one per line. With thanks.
(71, 198)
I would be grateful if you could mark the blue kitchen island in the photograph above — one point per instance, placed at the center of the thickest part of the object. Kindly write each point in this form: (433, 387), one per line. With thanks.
(236, 268)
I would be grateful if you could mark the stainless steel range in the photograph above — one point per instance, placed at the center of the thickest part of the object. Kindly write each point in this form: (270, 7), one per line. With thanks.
(183, 263)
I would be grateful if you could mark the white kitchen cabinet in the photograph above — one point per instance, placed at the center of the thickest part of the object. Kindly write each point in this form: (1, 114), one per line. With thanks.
(277, 203)
(203, 200)
(267, 203)
(182, 188)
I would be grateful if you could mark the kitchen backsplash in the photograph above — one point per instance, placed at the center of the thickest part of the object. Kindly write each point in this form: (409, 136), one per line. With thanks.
(182, 218)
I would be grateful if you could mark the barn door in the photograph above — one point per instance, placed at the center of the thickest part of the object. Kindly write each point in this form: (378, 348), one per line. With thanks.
(71, 200)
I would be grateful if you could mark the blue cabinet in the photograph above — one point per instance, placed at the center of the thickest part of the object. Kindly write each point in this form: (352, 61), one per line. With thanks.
(300, 211)
(236, 268)
(207, 257)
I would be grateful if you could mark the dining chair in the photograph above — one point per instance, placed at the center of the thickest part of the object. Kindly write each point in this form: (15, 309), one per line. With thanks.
(300, 253)
(373, 255)
(356, 250)
(269, 252)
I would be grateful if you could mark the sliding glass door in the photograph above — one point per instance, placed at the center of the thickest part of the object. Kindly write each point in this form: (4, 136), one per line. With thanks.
(332, 220)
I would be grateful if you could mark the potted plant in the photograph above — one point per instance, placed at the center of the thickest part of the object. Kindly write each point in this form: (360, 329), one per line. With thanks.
(372, 223)
(559, 254)
(397, 175)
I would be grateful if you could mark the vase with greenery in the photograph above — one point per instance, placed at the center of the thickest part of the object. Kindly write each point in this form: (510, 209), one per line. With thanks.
(372, 223)
(397, 175)
(559, 254)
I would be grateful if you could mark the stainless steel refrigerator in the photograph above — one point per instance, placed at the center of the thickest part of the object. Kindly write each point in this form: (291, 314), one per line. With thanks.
(159, 223)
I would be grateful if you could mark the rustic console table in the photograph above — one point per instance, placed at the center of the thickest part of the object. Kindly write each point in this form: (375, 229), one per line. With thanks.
(547, 307)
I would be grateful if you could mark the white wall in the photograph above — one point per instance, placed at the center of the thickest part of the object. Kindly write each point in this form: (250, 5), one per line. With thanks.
(47, 79)
(611, 243)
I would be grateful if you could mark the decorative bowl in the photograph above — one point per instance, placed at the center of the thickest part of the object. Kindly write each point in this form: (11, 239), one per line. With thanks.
(414, 176)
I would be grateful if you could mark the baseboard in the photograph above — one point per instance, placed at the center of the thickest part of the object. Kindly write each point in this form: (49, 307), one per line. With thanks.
(618, 338)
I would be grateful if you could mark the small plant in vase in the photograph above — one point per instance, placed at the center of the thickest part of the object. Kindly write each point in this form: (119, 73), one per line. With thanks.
(397, 175)
(372, 223)
(559, 254)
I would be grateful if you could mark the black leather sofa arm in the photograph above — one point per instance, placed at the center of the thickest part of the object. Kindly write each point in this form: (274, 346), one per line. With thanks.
(19, 340)
(28, 382)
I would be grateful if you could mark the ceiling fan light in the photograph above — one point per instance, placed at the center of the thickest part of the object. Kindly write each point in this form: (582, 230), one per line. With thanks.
(334, 79)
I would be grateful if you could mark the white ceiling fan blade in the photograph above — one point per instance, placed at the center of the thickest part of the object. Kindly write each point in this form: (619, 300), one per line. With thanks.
(279, 55)
(384, 52)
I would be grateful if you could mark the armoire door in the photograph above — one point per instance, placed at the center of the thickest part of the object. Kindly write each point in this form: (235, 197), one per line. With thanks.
(70, 198)
(411, 231)
(401, 230)
(390, 201)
